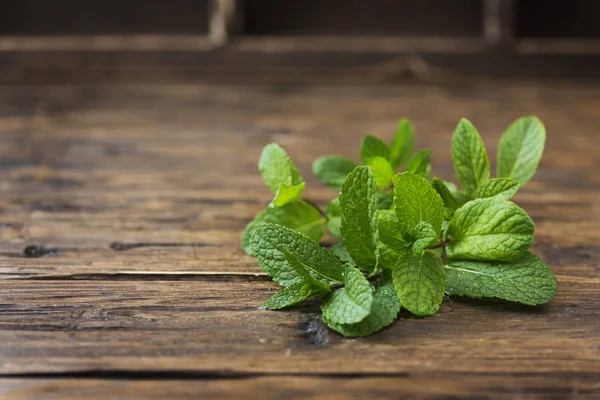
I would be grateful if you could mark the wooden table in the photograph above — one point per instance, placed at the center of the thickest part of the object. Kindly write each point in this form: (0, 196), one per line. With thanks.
(140, 194)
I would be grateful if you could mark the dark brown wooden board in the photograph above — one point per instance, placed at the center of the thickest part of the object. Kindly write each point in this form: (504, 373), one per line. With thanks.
(142, 192)
(508, 387)
(209, 326)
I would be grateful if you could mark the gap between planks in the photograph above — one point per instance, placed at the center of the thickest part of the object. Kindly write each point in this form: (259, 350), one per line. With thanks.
(153, 275)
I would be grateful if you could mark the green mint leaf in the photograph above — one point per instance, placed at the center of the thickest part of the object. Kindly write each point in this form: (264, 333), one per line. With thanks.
(339, 250)
(335, 227)
(390, 231)
(352, 303)
(373, 147)
(303, 271)
(419, 164)
(490, 229)
(299, 216)
(305, 288)
(268, 243)
(333, 208)
(447, 197)
(333, 170)
(384, 311)
(420, 281)
(382, 171)
(403, 144)
(451, 186)
(334, 213)
(460, 196)
(526, 280)
(280, 174)
(520, 149)
(287, 194)
(277, 168)
(415, 200)
(425, 236)
(388, 256)
(293, 294)
(502, 188)
(384, 200)
(469, 156)
(359, 217)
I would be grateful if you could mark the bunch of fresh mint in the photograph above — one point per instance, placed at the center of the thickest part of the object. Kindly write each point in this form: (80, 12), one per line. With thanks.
(403, 247)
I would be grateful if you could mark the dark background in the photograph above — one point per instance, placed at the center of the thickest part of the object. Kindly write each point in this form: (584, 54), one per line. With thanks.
(67, 39)
(533, 18)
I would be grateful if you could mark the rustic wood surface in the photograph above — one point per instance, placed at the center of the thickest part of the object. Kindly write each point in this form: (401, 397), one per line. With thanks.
(136, 197)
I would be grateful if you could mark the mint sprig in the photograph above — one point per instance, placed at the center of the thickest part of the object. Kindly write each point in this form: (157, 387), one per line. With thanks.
(281, 175)
(359, 218)
(351, 303)
(404, 240)
(299, 216)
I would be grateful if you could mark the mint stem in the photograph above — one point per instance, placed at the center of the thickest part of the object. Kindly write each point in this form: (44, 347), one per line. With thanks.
(438, 245)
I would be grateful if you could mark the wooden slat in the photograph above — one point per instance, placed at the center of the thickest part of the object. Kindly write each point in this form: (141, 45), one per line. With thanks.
(558, 46)
(225, 20)
(341, 44)
(499, 21)
(259, 44)
(106, 43)
(415, 386)
(210, 326)
(90, 167)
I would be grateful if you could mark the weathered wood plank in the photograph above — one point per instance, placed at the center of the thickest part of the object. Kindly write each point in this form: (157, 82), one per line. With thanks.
(415, 386)
(143, 192)
(85, 167)
(204, 326)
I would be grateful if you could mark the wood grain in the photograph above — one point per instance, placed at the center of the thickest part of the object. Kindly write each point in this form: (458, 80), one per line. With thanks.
(196, 326)
(415, 386)
(140, 194)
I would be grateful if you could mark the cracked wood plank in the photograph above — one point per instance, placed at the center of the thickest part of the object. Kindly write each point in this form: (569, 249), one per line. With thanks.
(208, 326)
(168, 174)
(415, 386)
(140, 194)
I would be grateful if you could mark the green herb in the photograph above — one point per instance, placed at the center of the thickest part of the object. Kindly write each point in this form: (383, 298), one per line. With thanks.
(299, 216)
(340, 251)
(351, 303)
(333, 170)
(419, 164)
(373, 147)
(281, 175)
(420, 282)
(450, 202)
(406, 246)
(526, 280)
(359, 218)
(416, 200)
(424, 235)
(403, 144)
(469, 156)
(333, 213)
(384, 310)
(305, 287)
(269, 243)
(490, 229)
(390, 231)
(503, 188)
(382, 171)
(520, 149)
